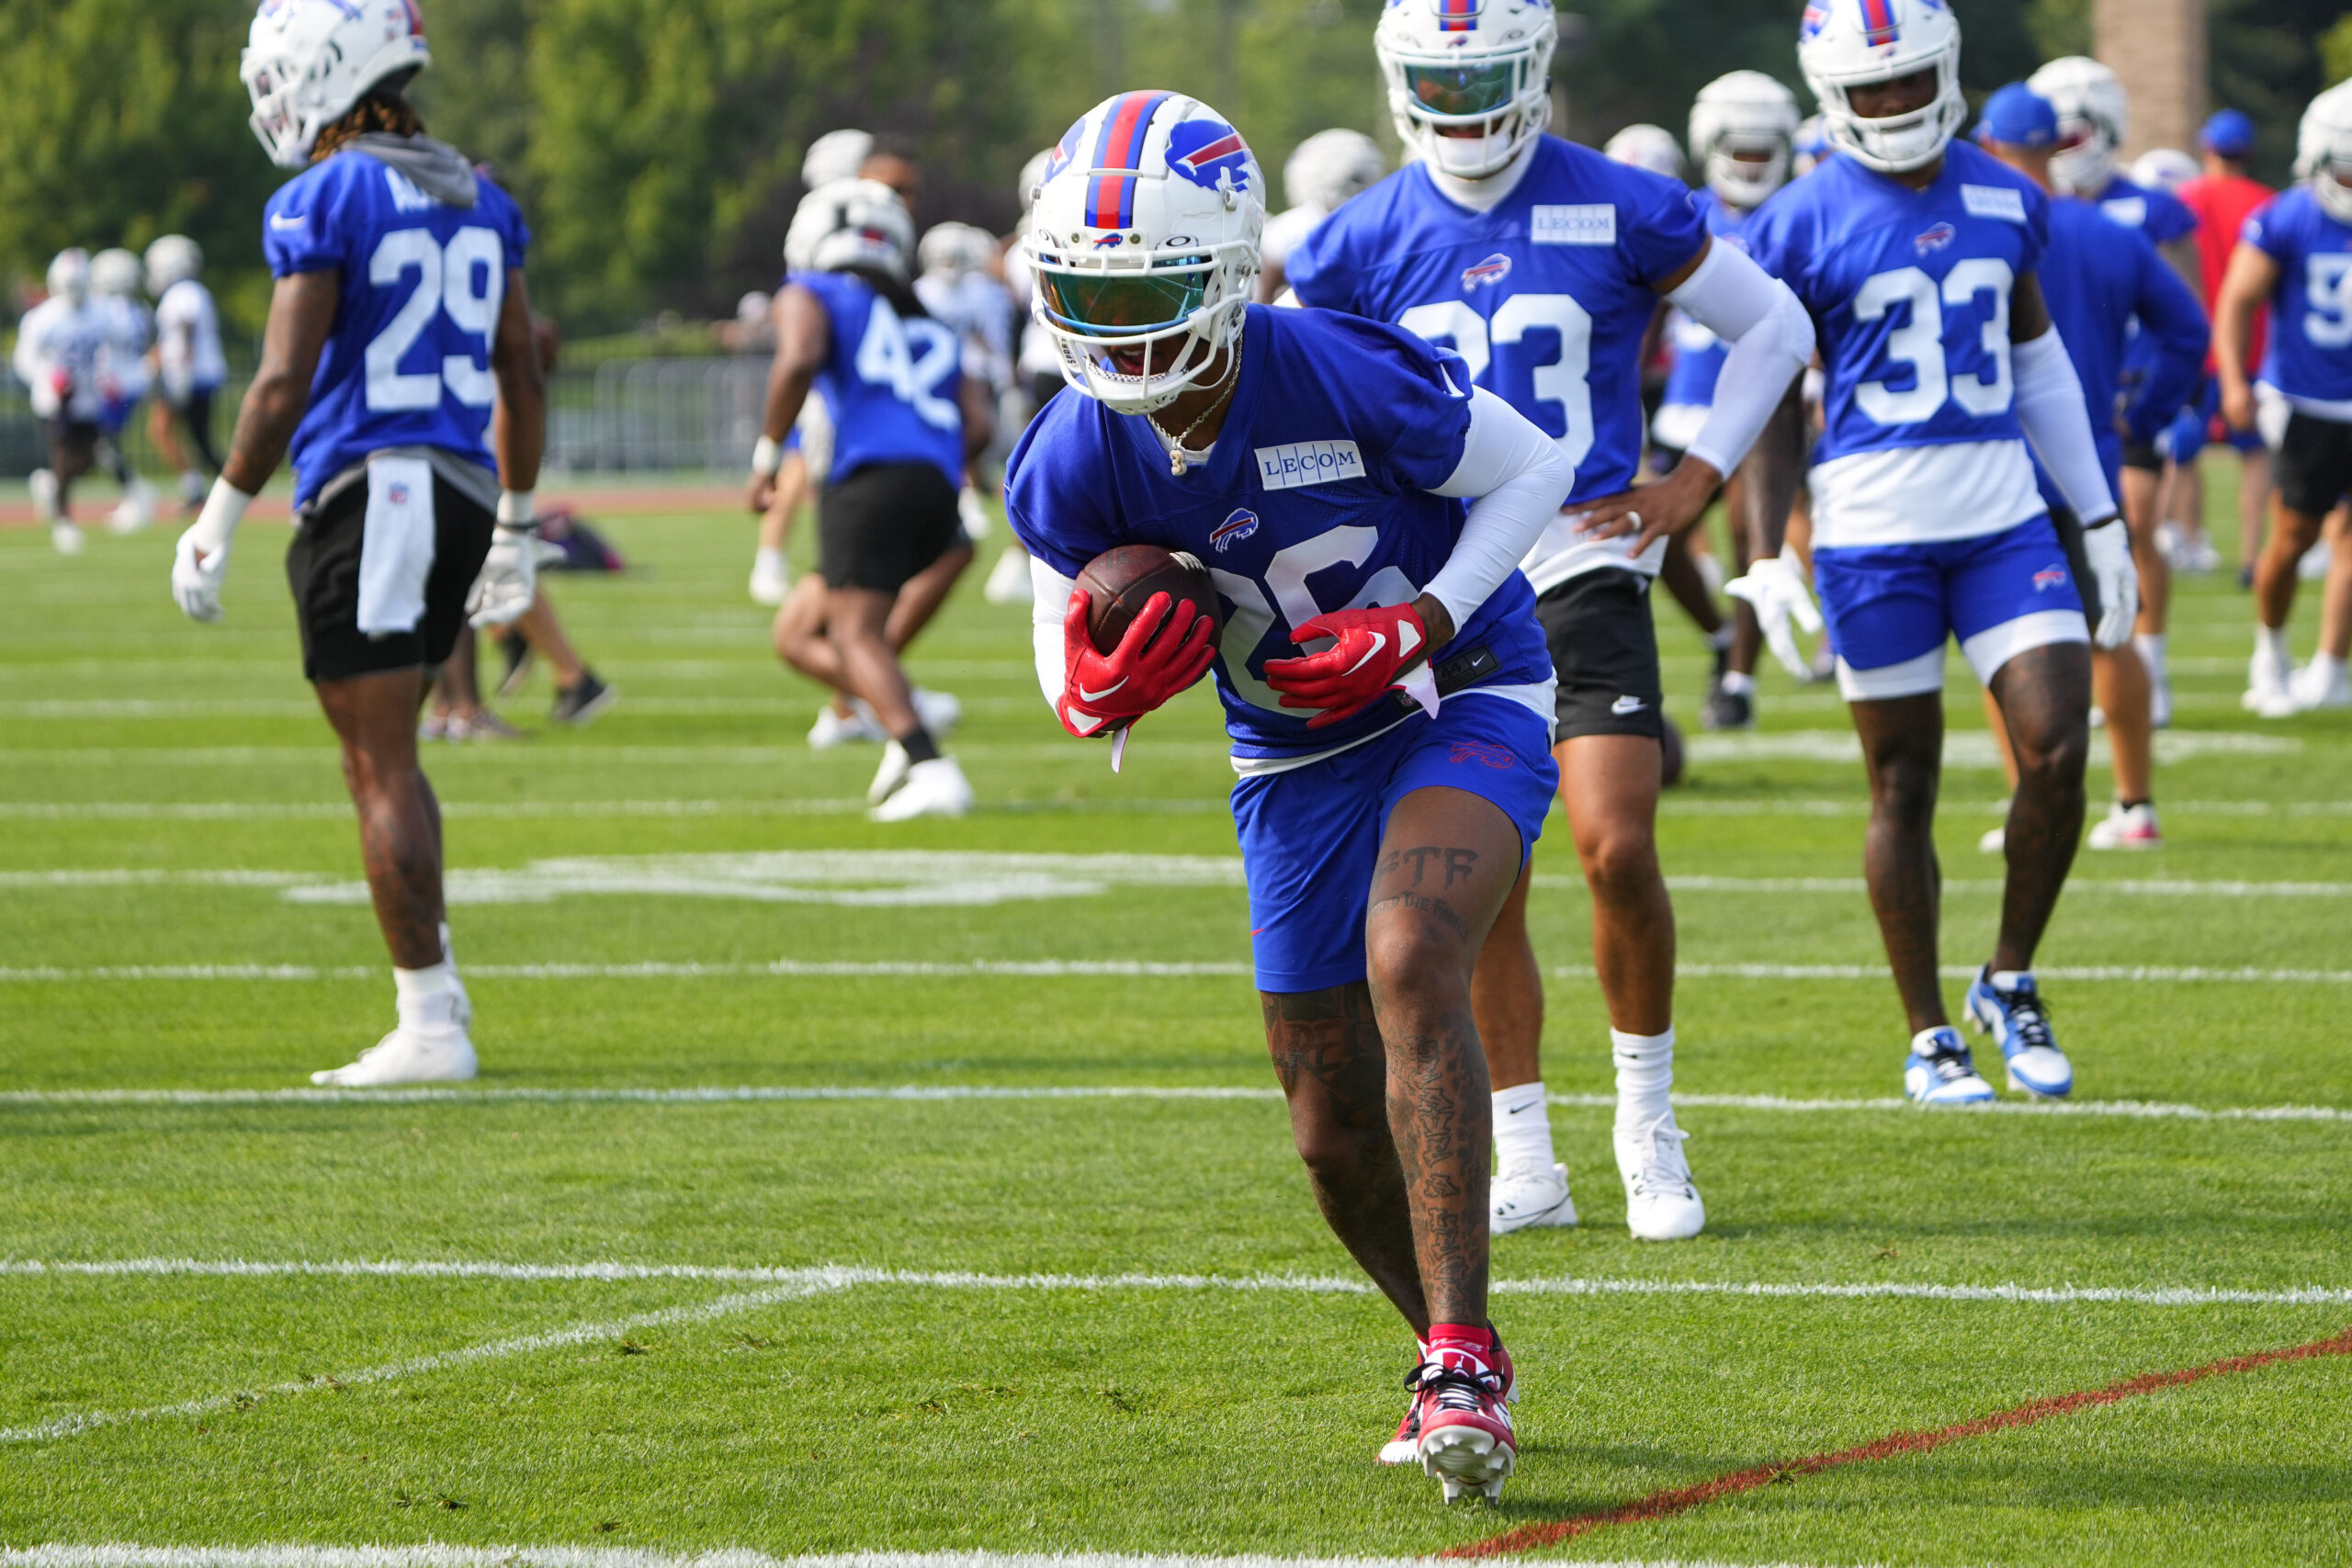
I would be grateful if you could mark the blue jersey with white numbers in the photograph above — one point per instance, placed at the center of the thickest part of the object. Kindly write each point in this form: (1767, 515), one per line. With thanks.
(408, 361)
(1316, 496)
(1910, 293)
(892, 385)
(2311, 311)
(1546, 296)
(2098, 278)
(1699, 353)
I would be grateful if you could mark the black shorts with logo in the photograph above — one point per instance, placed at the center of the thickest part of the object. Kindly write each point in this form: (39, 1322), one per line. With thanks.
(884, 524)
(2312, 466)
(1604, 651)
(323, 567)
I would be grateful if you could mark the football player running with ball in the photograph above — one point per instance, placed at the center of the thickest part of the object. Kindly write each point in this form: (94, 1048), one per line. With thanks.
(1320, 465)
(399, 335)
(1541, 263)
(1916, 256)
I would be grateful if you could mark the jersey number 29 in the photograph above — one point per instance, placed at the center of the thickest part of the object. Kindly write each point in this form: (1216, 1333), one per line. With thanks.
(467, 278)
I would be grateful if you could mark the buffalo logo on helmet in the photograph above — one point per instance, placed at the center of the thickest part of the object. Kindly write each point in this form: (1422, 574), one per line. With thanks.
(1494, 269)
(1240, 525)
(1934, 238)
(1064, 150)
(1207, 151)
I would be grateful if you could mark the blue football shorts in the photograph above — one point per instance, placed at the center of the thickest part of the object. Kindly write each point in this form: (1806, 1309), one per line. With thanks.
(1310, 836)
(1890, 606)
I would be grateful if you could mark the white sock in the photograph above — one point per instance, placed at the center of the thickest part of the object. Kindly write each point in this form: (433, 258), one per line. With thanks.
(2273, 640)
(1738, 684)
(767, 561)
(1522, 1130)
(2152, 651)
(428, 997)
(2326, 666)
(1644, 1075)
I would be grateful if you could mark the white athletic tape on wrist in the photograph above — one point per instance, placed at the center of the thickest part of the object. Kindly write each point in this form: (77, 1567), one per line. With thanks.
(768, 457)
(224, 508)
(517, 509)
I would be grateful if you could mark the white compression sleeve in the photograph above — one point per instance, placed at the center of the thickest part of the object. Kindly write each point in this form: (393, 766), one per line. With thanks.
(2057, 420)
(1521, 480)
(1050, 604)
(1771, 343)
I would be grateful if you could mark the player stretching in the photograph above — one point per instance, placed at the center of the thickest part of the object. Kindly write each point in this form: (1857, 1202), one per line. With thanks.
(1540, 263)
(1915, 256)
(2296, 253)
(1311, 459)
(906, 420)
(399, 319)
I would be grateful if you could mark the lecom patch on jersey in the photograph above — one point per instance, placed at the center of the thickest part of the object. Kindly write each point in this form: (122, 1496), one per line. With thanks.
(1584, 223)
(1994, 201)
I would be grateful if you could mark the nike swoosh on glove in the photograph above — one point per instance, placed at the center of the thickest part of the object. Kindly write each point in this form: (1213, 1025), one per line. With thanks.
(1776, 588)
(1105, 691)
(1373, 651)
(2107, 550)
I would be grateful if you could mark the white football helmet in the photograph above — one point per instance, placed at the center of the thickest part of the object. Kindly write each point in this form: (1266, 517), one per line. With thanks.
(2323, 151)
(307, 61)
(115, 272)
(836, 155)
(171, 259)
(849, 223)
(1144, 245)
(2094, 117)
(1482, 66)
(1331, 166)
(1647, 146)
(2165, 168)
(955, 250)
(1748, 112)
(69, 275)
(1845, 44)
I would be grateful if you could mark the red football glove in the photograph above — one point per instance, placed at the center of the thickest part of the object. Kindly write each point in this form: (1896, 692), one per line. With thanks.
(1101, 691)
(1372, 649)
(61, 381)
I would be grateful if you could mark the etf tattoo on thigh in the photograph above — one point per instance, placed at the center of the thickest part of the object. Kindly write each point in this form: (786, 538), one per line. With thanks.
(1457, 865)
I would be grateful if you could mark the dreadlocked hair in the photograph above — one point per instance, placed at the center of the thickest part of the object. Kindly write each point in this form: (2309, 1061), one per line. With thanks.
(382, 111)
(897, 290)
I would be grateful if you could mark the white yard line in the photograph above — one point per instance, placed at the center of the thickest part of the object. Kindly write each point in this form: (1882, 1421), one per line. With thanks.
(723, 1094)
(810, 1283)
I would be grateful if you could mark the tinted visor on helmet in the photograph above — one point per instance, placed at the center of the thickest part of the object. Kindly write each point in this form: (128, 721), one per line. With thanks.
(1124, 304)
(1464, 91)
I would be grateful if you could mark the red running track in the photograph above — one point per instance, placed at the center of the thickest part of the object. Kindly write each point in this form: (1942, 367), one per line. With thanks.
(1681, 1499)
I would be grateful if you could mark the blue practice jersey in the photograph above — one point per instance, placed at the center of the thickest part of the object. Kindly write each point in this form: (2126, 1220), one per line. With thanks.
(2152, 209)
(2097, 278)
(2309, 359)
(892, 386)
(1546, 296)
(1910, 293)
(1316, 496)
(408, 361)
(1699, 353)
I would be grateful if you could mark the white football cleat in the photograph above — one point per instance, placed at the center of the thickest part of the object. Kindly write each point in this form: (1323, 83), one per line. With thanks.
(137, 508)
(1939, 1071)
(1523, 1199)
(2313, 565)
(1996, 841)
(889, 776)
(1661, 1201)
(2325, 682)
(770, 578)
(65, 539)
(936, 788)
(832, 728)
(2267, 693)
(941, 712)
(2127, 827)
(1009, 581)
(436, 1053)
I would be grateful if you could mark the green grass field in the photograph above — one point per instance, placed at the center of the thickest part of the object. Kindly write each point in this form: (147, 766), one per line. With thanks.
(612, 1311)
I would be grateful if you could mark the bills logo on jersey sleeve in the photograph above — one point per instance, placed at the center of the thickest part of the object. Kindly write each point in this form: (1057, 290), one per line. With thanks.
(1934, 238)
(1211, 155)
(1240, 525)
(1494, 269)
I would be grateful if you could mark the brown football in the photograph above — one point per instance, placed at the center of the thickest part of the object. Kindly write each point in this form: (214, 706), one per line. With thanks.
(1121, 580)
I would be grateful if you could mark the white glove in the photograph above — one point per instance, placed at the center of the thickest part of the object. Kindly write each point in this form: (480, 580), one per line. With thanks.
(200, 561)
(1776, 588)
(2107, 548)
(509, 573)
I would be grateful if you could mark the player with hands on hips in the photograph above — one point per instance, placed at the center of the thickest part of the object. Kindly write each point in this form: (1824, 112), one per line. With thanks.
(1542, 263)
(399, 364)
(1916, 255)
(1319, 465)
(2296, 253)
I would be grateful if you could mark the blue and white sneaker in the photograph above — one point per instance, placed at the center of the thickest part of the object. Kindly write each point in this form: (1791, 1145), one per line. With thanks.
(1939, 1071)
(2009, 1006)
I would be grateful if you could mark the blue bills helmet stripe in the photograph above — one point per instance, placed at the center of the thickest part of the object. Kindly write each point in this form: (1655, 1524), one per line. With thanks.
(1111, 197)
(1460, 15)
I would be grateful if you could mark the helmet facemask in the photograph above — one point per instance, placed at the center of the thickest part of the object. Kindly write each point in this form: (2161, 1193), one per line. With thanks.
(2323, 151)
(1468, 109)
(1745, 180)
(1137, 331)
(2084, 163)
(1895, 143)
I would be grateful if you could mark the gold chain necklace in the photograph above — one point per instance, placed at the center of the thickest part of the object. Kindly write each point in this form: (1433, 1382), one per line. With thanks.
(1176, 463)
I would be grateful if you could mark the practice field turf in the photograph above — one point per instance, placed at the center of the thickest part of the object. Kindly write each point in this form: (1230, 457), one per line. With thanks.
(838, 1188)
